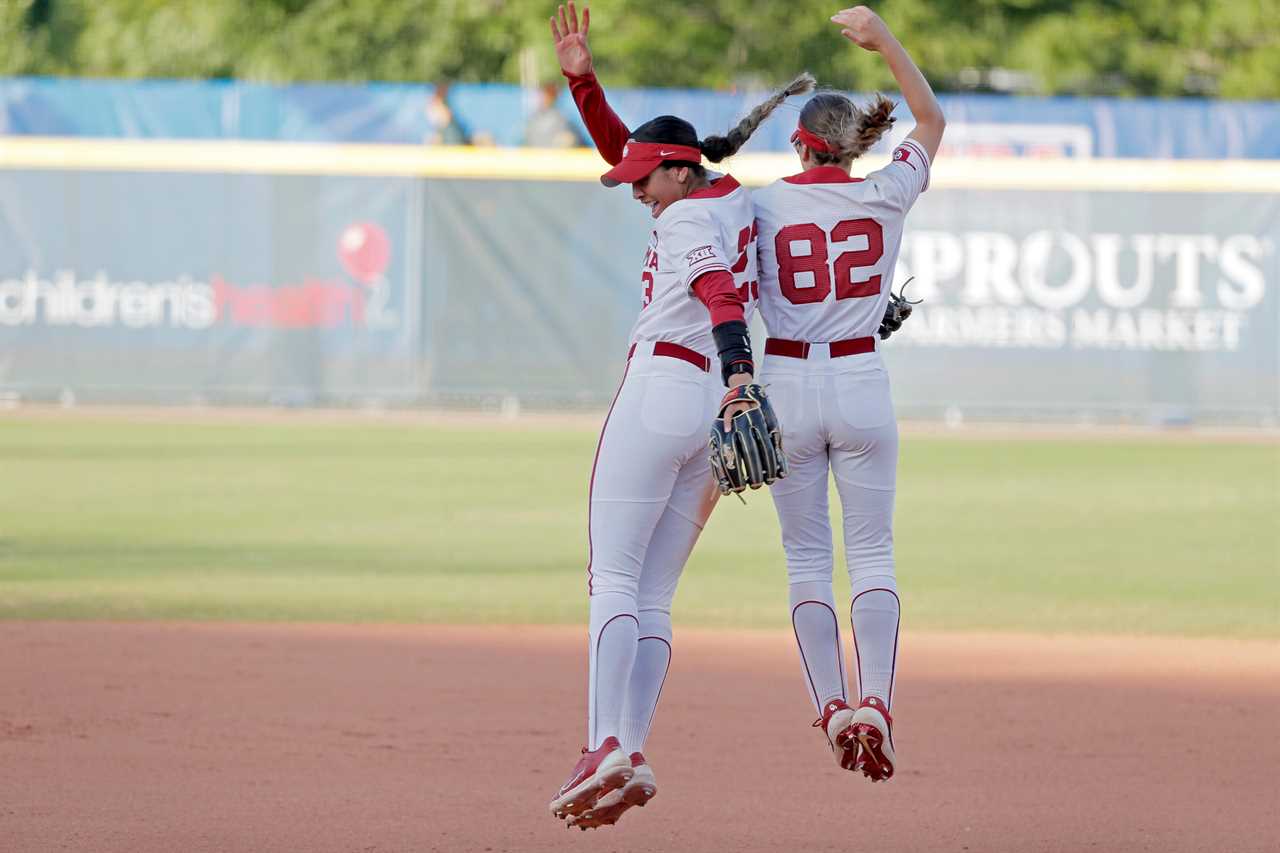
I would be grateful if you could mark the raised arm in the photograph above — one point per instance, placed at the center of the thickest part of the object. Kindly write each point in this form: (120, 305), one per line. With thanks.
(606, 129)
(864, 28)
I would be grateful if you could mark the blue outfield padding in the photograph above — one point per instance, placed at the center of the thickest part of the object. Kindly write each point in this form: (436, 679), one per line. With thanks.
(397, 113)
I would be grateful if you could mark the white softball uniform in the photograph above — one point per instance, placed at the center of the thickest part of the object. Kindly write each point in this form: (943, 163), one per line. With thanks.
(651, 486)
(827, 246)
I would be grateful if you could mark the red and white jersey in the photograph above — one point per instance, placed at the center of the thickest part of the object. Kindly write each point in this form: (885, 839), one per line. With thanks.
(711, 229)
(828, 244)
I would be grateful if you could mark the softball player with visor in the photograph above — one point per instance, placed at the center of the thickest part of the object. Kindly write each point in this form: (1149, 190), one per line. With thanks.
(828, 243)
(651, 486)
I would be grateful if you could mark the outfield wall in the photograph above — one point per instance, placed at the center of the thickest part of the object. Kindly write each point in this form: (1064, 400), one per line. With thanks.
(312, 273)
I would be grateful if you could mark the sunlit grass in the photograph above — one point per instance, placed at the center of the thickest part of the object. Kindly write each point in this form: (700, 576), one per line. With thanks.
(399, 522)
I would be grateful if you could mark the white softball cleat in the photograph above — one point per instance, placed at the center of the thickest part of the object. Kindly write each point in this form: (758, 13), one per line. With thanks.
(872, 729)
(837, 725)
(598, 772)
(641, 788)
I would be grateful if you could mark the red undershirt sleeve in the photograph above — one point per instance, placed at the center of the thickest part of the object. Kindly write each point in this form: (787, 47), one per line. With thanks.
(606, 129)
(716, 291)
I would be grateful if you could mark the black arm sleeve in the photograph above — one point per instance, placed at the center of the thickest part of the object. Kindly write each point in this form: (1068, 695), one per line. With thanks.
(733, 342)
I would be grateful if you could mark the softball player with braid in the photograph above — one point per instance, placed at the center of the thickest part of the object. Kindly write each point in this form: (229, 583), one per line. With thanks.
(828, 244)
(651, 485)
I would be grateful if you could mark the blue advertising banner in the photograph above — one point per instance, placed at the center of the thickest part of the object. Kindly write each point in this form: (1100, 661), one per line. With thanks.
(228, 272)
(194, 285)
(1092, 302)
(978, 125)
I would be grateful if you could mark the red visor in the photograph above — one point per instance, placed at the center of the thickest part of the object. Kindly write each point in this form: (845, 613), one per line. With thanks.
(817, 143)
(639, 159)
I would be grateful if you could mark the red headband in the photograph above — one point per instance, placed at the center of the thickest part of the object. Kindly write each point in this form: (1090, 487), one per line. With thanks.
(817, 143)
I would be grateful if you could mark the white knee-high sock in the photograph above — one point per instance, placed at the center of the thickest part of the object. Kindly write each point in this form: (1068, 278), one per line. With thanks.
(613, 634)
(653, 658)
(875, 613)
(813, 616)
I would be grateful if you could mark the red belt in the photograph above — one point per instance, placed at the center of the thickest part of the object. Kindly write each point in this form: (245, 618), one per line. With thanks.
(667, 350)
(800, 349)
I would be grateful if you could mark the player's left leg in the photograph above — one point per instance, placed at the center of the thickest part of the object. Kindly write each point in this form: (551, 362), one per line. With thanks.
(692, 499)
(801, 503)
(646, 434)
(658, 422)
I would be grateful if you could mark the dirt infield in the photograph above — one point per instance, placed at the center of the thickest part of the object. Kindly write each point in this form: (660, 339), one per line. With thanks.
(155, 737)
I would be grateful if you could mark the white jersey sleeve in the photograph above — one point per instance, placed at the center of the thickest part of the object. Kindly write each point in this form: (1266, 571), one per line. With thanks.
(907, 175)
(692, 239)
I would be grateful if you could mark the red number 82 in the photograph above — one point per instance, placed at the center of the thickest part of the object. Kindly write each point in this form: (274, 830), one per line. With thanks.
(816, 261)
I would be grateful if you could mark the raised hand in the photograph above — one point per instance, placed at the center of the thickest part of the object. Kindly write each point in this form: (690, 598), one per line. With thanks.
(570, 41)
(863, 27)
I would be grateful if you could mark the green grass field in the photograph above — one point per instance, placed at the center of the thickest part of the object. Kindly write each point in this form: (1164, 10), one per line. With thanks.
(360, 521)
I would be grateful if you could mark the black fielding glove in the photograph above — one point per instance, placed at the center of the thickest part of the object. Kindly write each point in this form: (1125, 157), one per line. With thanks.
(749, 453)
(897, 311)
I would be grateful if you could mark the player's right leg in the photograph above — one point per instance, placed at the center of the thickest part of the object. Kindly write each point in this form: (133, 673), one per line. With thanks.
(864, 456)
(693, 496)
(656, 414)
(649, 671)
(692, 499)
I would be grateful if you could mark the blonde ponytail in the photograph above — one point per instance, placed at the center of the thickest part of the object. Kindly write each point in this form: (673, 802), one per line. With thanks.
(848, 129)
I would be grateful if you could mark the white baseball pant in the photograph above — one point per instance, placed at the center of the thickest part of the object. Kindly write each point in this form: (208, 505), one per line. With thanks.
(837, 414)
(651, 494)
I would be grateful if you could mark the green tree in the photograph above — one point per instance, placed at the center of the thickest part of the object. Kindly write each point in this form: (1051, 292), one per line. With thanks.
(401, 40)
(1161, 47)
(170, 38)
(1122, 47)
(38, 37)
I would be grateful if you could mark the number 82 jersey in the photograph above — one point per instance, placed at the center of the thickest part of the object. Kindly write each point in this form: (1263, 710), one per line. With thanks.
(828, 244)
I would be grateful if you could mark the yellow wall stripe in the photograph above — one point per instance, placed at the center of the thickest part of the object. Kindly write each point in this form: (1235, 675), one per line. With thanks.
(301, 158)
